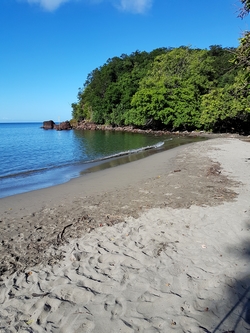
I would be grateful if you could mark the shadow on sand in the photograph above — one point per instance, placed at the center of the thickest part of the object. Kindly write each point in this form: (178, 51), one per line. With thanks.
(237, 300)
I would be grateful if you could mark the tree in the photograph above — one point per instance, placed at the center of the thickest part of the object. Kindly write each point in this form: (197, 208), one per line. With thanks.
(242, 58)
(174, 88)
(226, 109)
(245, 9)
(108, 90)
(224, 69)
(170, 92)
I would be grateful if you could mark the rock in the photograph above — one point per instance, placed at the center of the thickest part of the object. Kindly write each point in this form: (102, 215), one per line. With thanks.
(86, 125)
(49, 124)
(65, 125)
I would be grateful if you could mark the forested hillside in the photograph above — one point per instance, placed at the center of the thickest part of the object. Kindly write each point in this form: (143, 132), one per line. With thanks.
(172, 88)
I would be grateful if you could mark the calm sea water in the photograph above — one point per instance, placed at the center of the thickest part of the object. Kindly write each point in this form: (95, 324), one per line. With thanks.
(33, 158)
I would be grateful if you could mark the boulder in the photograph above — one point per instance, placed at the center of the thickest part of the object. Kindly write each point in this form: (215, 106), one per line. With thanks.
(65, 125)
(49, 124)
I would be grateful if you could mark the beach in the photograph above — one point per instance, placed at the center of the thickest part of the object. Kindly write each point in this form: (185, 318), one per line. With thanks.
(156, 245)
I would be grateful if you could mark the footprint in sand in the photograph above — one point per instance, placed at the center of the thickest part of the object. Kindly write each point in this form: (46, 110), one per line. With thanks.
(116, 306)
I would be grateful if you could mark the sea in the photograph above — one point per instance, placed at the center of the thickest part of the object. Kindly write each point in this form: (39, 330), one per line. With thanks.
(32, 158)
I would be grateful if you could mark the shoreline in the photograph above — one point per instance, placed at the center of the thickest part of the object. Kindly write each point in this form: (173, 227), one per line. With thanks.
(31, 180)
(157, 244)
(106, 197)
(50, 177)
(85, 125)
(87, 184)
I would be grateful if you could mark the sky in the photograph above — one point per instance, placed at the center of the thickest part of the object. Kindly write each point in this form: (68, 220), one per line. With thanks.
(48, 47)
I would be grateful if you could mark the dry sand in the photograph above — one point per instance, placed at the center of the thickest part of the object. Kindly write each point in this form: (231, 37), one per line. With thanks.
(156, 245)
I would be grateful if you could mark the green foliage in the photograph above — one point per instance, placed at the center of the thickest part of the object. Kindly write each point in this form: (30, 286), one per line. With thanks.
(170, 92)
(226, 108)
(173, 88)
(225, 70)
(245, 9)
(242, 55)
(242, 58)
(108, 90)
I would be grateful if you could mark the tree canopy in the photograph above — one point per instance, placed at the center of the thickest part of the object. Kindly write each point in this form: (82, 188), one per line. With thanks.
(172, 88)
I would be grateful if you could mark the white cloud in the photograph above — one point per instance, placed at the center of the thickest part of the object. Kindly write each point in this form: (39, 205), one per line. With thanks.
(135, 6)
(49, 5)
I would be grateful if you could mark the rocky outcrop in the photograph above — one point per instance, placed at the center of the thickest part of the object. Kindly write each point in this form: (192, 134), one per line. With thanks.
(49, 124)
(65, 125)
(85, 125)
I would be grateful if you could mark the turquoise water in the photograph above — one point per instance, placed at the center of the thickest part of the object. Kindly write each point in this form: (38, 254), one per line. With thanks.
(33, 158)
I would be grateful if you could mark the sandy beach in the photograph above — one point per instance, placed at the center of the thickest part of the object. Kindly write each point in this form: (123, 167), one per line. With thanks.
(157, 245)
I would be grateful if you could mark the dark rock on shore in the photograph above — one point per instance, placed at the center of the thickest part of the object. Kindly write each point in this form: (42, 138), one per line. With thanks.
(85, 125)
(63, 126)
(49, 124)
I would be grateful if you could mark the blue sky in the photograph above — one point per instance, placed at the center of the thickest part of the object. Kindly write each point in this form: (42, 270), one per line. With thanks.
(48, 47)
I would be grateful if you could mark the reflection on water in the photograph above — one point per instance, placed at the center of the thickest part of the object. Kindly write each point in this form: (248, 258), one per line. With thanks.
(47, 158)
(94, 145)
(169, 143)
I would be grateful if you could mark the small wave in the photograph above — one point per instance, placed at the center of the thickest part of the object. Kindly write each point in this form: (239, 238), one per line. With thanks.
(132, 151)
(28, 173)
(25, 173)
